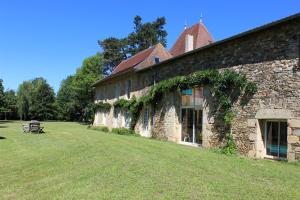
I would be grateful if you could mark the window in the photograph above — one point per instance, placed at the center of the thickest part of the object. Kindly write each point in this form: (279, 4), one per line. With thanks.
(115, 118)
(127, 119)
(117, 90)
(192, 97)
(276, 138)
(191, 115)
(128, 88)
(146, 119)
(156, 60)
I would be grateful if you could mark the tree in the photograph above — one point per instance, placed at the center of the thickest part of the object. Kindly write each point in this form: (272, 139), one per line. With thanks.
(65, 100)
(144, 35)
(23, 99)
(10, 104)
(114, 51)
(76, 92)
(42, 98)
(35, 100)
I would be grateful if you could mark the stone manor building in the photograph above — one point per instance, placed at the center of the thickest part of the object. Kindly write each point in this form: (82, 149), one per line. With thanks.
(268, 126)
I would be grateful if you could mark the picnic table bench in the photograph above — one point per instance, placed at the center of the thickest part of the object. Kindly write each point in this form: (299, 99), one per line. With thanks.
(32, 127)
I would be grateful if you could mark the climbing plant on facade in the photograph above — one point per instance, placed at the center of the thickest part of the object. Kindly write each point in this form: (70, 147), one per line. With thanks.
(225, 88)
(102, 106)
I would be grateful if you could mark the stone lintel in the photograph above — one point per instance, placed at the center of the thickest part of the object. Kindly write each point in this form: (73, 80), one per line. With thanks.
(273, 114)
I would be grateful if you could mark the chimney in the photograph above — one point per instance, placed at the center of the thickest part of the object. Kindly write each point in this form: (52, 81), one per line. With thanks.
(189, 42)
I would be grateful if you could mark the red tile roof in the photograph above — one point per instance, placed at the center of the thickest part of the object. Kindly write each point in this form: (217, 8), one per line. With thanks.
(133, 61)
(141, 60)
(201, 38)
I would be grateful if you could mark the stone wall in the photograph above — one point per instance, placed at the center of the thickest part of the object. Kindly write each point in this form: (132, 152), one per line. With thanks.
(269, 57)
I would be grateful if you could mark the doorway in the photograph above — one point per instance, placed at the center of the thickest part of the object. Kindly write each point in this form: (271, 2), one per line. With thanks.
(191, 125)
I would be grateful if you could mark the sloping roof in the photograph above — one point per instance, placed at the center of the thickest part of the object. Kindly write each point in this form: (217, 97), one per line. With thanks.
(141, 60)
(201, 38)
(133, 61)
(203, 48)
(159, 51)
(285, 20)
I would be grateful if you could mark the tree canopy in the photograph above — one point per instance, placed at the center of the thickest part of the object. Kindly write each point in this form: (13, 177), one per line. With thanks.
(35, 100)
(76, 92)
(144, 35)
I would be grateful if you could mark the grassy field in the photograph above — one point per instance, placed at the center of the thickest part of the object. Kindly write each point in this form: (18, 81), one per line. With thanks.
(71, 162)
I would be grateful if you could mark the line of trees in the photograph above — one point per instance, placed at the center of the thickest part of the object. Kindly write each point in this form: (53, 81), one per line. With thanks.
(35, 99)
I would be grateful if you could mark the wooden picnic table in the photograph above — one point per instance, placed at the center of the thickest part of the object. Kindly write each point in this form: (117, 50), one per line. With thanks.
(32, 127)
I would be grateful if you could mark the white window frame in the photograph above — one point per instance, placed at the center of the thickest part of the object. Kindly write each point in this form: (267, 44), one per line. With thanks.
(265, 137)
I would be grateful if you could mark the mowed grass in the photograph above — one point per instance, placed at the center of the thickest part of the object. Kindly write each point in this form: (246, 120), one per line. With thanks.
(71, 162)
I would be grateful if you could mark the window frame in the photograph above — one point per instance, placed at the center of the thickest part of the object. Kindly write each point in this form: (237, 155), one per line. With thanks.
(128, 88)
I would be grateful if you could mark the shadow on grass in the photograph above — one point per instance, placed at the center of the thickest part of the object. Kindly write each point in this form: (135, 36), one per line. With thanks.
(5, 121)
(2, 138)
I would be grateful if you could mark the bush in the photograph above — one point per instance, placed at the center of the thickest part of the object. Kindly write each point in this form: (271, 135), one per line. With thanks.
(123, 131)
(230, 147)
(100, 128)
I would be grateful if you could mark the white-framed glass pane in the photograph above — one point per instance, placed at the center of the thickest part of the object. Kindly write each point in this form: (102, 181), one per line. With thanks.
(192, 97)
(187, 97)
(198, 93)
(276, 138)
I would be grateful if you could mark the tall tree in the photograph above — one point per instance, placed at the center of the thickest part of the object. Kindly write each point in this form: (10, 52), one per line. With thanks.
(144, 35)
(41, 100)
(65, 100)
(114, 51)
(76, 92)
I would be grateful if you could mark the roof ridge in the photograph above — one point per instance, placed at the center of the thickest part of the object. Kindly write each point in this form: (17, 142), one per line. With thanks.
(138, 53)
(206, 30)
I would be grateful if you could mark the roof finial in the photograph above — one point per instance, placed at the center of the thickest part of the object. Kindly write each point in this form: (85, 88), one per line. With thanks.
(201, 18)
(185, 24)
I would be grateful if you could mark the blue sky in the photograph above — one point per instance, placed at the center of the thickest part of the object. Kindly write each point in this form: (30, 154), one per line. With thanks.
(50, 38)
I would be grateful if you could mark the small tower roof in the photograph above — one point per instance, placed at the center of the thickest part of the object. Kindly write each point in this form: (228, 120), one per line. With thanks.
(200, 35)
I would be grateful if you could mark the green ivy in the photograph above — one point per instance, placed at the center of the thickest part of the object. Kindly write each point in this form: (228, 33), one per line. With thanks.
(102, 106)
(134, 107)
(220, 84)
(122, 104)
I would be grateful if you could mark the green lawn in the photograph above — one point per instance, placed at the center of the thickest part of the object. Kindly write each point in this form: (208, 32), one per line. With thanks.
(71, 162)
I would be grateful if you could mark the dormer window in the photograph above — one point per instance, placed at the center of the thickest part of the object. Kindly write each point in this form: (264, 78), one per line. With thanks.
(156, 60)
